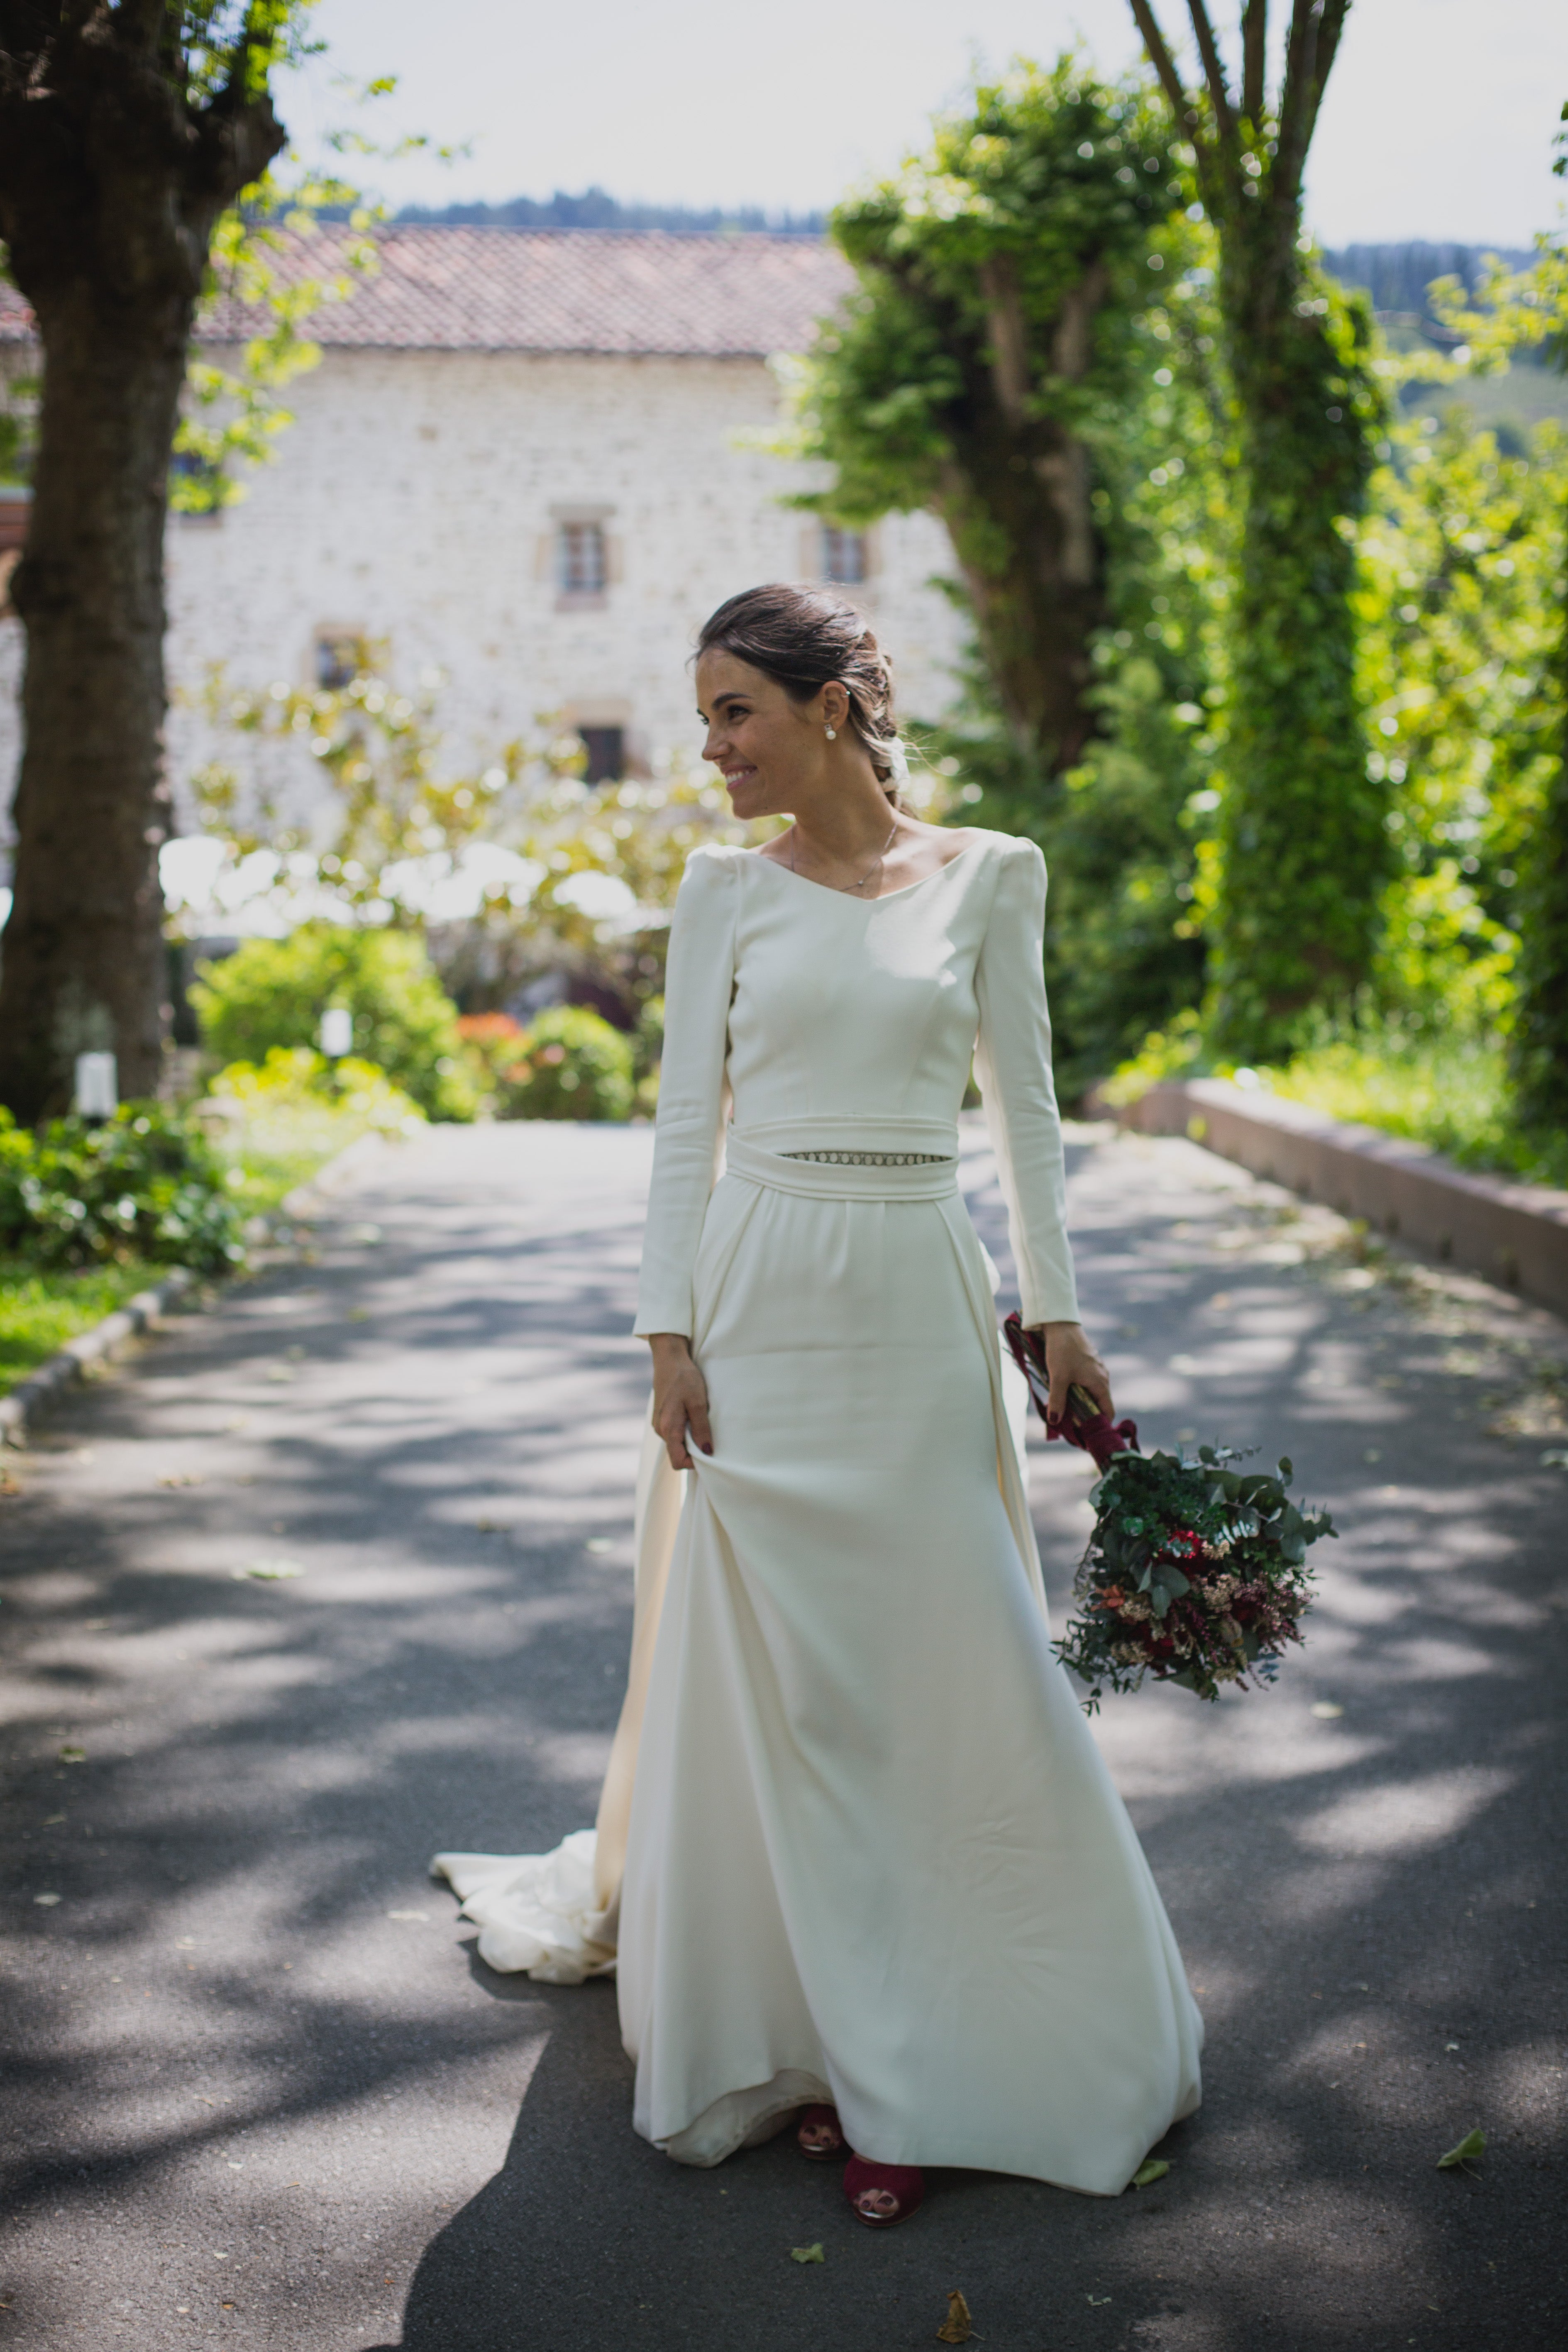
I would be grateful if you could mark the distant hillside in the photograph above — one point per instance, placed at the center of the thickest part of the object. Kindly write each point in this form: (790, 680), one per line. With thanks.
(595, 209)
(1397, 276)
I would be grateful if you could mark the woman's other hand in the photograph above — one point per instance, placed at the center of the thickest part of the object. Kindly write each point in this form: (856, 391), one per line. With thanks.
(1072, 1363)
(679, 1399)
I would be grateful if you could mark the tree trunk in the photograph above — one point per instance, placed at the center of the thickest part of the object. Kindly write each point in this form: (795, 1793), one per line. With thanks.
(83, 949)
(115, 163)
(1015, 500)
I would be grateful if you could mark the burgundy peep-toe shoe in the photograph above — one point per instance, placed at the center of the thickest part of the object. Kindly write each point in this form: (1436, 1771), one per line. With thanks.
(881, 2194)
(818, 2135)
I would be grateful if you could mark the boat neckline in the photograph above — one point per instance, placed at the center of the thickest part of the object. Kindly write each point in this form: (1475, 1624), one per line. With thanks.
(882, 897)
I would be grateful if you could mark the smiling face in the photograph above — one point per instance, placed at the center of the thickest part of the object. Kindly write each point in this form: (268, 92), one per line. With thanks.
(771, 751)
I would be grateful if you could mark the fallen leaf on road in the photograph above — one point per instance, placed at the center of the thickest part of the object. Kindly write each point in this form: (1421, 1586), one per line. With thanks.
(957, 2327)
(181, 1478)
(1459, 2158)
(1153, 2168)
(268, 1572)
(54, 1821)
(597, 1543)
(73, 1756)
(1098, 2301)
(48, 1900)
(1556, 1460)
(807, 2254)
(1327, 1710)
(409, 1914)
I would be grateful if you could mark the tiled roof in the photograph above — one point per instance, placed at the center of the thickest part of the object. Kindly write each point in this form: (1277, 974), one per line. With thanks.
(503, 289)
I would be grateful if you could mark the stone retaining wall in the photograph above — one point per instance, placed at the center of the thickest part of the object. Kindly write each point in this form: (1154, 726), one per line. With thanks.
(1514, 1234)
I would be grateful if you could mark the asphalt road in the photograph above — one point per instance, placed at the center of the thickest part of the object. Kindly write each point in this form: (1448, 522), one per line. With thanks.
(261, 2092)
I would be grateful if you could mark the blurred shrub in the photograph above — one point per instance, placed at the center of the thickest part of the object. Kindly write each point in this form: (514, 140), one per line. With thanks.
(296, 1077)
(142, 1184)
(568, 1064)
(272, 993)
(648, 1054)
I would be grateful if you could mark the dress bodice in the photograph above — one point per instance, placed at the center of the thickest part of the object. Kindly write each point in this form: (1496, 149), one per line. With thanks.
(832, 1022)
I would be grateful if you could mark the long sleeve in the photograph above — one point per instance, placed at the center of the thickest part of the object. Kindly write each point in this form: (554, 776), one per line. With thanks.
(1013, 1064)
(689, 1130)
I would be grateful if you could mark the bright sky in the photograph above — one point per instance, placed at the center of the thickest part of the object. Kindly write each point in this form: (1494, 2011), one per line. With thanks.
(1438, 122)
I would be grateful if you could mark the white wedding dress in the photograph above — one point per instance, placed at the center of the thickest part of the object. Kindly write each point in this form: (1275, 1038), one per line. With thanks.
(857, 1842)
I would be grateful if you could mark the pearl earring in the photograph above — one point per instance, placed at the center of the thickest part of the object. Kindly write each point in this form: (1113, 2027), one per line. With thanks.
(831, 733)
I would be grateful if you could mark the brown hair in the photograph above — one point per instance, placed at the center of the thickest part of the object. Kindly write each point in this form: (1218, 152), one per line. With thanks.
(803, 639)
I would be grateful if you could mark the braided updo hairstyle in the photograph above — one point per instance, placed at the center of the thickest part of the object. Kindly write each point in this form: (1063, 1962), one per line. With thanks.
(802, 638)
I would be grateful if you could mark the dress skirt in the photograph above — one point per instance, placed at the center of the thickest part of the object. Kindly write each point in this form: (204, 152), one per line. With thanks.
(874, 1856)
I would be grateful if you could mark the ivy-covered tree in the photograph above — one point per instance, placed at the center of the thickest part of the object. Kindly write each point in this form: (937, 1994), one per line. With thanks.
(1303, 848)
(127, 128)
(986, 356)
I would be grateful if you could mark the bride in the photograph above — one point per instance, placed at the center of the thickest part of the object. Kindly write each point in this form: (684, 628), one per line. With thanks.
(859, 1863)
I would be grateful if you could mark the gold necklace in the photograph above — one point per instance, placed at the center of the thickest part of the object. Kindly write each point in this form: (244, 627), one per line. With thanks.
(846, 887)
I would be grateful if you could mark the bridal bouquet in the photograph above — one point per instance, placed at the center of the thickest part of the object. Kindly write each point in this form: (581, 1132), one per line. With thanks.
(1195, 1573)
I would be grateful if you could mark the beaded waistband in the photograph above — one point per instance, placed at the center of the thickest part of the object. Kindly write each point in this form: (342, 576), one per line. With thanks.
(872, 1159)
(779, 1157)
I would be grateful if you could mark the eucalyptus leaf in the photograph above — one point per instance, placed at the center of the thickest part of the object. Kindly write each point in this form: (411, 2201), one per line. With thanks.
(1152, 2168)
(1473, 2145)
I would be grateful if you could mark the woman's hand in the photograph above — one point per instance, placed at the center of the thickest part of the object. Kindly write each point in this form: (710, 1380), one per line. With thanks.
(679, 1398)
(1072, 1363)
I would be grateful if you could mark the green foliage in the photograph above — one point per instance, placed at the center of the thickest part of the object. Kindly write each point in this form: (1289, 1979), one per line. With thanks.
(296, 1077)
(276, 1124)
(378, 750)
(1126, 829)
(234, 413)
(1458, 605)
(272, 993)
(1304, 853)
(1300, 854)
(397, 827)
(1438, 1086)
(569, 1062)
(1119, 832)
(1052, 173)
(986, 364)
(1528, 311)
(142, 1186)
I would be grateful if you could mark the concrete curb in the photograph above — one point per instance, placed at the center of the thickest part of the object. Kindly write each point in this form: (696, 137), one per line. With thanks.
(63, 1369)
(1514, 1234)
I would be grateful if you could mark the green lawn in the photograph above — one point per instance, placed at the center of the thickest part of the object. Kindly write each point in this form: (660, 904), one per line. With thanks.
(40, 1312)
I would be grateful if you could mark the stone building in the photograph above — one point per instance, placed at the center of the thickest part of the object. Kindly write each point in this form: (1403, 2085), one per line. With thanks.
(532, 461)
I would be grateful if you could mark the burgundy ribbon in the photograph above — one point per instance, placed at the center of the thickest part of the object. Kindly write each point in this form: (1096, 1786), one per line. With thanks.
(1098, 1436)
